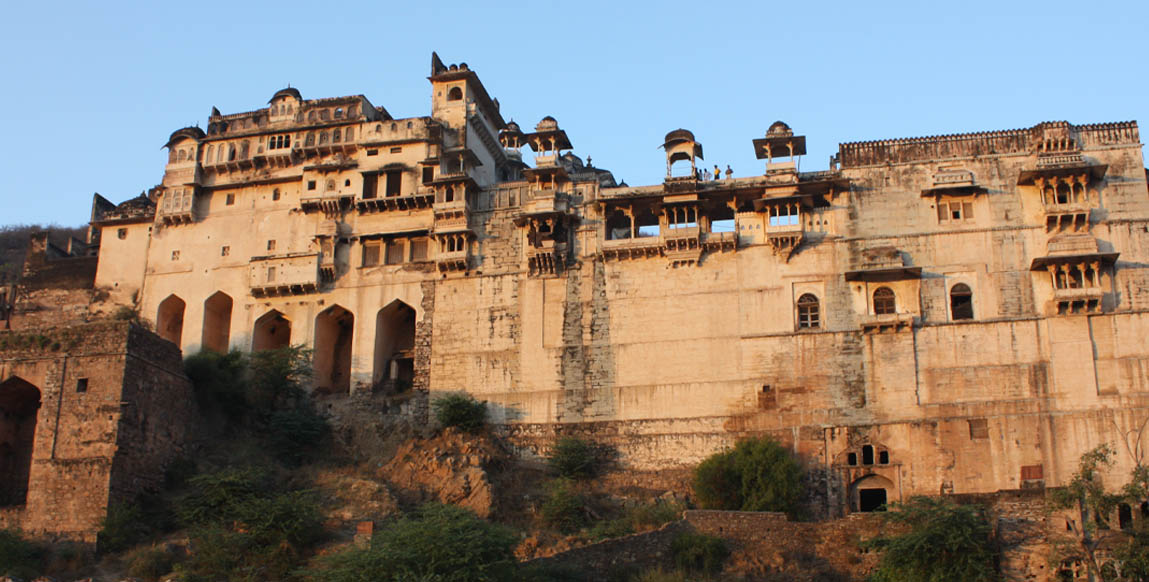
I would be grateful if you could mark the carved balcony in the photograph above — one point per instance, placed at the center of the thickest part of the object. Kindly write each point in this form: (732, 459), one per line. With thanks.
(177, 207)
(417, 201)
(683, 246)
(631, 248)
(886, 323)
(453, 260)
(293, 274)
(327, 202)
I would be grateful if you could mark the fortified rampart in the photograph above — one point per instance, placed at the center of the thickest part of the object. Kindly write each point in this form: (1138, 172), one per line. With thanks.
(955, 314)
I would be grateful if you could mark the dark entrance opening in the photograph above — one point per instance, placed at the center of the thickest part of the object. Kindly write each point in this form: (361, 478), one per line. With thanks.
(19, 402)
(871, 500)
(333, 333)
(394, 347)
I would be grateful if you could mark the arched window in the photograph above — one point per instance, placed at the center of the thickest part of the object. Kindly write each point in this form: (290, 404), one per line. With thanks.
(331, 184)
(311, 116)
(335, 136)
(231, 153)
(338, 113)
(309, 141)
(961, 302)
(244, 148)
(180, 156)
(885, 303)
(449, 194)
(868, 455)
(322, 137)
(348, 135)
(455, 94)
(808, 315)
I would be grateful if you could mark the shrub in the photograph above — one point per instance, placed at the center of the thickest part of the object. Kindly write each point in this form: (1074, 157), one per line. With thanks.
(757, 475)
(293, 433)
(563, 509)
(699, 552)
(659, 575)
(574, 458)
(149, 563)
(218, 380)
(123, 527)
(945, 542)
(243, 527)
(642, 517)
(441, 543)
(19, 557)
(460, 410)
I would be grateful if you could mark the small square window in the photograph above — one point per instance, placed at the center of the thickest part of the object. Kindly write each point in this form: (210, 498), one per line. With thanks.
(225, 251)
(978, 428)
(81, 385)
(175, 255)
(271, 245)
(230, 199)
(122, 233)
(371, 251)
(311, 184)
(397, 150)
(275, 194)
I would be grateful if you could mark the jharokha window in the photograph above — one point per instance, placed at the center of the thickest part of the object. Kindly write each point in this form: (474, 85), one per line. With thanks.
(808, 314)
(885, 303)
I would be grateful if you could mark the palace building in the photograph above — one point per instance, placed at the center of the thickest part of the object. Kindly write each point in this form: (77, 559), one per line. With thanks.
(951, 314)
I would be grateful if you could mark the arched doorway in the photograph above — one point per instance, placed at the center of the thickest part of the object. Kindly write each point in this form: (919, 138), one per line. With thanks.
(871, 493)
(272, 331)
(395, 347)
(217, 322)
(170, 319)
(19, 403)
(334, 328)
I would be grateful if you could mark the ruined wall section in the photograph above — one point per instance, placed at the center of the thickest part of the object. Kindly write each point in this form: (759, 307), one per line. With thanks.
(95, 381)
(156, 418)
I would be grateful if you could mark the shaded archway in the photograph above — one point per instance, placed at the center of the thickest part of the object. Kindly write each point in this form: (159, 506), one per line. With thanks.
(395, 347)
(871, 493)
(217, 322)
(334, 328)
(170, 319)
(272, 331)
(19, 402)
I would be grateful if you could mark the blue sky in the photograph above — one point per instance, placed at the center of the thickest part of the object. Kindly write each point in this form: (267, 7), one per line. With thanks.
(92, 90)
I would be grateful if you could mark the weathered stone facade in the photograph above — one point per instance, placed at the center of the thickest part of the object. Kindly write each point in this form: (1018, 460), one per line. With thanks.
(951, 314)
(89, 415)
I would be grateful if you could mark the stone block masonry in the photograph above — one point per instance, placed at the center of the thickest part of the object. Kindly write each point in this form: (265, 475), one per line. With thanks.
(92, 415)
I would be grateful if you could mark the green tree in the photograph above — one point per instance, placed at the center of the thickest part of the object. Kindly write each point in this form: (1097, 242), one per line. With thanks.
(758, 474)
(1086, 493)
(440, 543)
(946, 542)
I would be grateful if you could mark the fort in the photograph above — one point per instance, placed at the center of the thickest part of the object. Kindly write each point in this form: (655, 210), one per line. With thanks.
(960, 314)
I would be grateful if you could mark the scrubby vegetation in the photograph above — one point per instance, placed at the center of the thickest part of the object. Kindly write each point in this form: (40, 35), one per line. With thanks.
(461, 411)
(758, 474)
(944, 542)
(698, 552)
(575, 458)
(438, 543)
(19, 557)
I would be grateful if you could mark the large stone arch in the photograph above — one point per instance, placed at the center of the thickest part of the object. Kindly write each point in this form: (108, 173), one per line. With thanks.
(19, 404)
(394, 366)
(272, 331)
(871, 493)
(217, 322)
(334, 332)
(170, 319)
